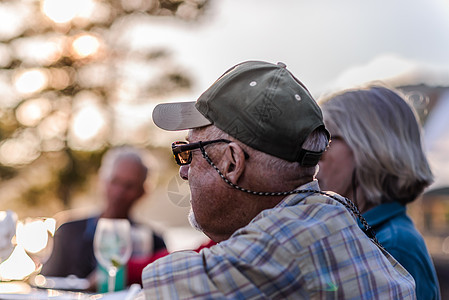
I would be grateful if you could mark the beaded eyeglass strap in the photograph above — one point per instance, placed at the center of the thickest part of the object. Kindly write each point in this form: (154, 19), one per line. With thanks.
(368, 230)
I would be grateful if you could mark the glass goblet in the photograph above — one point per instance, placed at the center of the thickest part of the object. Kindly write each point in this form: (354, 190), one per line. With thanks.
(112, 246)
(35, 235)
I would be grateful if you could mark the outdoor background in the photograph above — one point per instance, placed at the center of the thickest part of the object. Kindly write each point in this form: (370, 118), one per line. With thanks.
(80, 76)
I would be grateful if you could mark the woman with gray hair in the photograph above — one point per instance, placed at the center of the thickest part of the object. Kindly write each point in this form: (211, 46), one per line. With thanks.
(376, 159)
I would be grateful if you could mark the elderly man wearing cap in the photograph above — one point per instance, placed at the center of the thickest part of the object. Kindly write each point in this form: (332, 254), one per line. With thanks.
(256, 136)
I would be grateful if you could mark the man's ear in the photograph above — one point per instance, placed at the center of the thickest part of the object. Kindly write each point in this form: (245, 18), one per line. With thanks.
(233, 162)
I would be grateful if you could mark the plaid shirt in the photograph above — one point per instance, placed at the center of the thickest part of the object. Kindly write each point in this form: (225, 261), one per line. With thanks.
(308, 247)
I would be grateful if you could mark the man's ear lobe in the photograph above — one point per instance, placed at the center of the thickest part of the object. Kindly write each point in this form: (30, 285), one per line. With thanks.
(233, 162)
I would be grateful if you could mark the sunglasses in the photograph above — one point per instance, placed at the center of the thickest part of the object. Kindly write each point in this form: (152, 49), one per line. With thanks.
(182, 151)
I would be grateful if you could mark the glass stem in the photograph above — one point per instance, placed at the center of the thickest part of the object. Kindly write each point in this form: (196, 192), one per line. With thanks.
(112, 272)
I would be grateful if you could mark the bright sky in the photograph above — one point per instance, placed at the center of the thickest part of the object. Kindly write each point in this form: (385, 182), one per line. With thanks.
(325, 43)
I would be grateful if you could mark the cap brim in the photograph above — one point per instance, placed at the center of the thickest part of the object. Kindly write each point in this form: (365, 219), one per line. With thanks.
(178, 116)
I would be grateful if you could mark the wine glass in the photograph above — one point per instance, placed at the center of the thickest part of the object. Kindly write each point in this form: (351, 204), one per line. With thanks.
(112, 246)
(35, 235)
(8, 220)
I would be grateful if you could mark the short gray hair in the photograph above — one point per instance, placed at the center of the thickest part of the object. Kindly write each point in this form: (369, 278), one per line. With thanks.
(382, 130)
(317, 141)
(114, 155)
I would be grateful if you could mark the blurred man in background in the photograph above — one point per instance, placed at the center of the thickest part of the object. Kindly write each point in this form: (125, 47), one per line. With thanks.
(122, 176)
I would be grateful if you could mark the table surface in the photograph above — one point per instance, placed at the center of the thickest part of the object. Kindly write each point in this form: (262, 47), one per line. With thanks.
(22, 290)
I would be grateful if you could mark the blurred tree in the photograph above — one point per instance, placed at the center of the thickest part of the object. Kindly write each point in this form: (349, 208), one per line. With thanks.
(69, 71)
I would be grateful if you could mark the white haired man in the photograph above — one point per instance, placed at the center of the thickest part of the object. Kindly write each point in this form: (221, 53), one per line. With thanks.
(255, 139)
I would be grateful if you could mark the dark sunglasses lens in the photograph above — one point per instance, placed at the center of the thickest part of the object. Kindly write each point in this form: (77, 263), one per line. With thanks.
(182, 158)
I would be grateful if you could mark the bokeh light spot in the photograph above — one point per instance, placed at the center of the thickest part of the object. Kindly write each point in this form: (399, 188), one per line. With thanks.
(30, 81)
(20, 150)
(88, 122)
(64, 11)
(85, 45)
(32, 111)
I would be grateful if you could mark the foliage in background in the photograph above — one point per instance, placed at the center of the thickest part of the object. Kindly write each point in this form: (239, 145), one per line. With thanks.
(65, 85)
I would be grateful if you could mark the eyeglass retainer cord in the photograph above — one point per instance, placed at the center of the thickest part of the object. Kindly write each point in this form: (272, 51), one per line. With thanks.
(368, 230)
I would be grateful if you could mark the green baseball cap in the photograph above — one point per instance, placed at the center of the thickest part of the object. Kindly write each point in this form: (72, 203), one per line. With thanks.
(260, 104)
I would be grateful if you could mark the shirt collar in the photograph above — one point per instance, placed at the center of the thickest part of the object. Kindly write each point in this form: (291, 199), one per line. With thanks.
(293, 199)
(383, 212)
